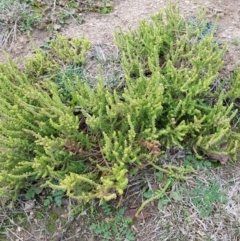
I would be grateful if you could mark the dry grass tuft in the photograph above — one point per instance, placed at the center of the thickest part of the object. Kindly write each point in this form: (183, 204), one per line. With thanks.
(12, 17)
(180, 219)
(103, 61)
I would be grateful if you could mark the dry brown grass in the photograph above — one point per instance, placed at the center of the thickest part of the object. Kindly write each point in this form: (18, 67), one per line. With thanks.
(103, 61)
(180, 220)
(174, 220)
(12, 14)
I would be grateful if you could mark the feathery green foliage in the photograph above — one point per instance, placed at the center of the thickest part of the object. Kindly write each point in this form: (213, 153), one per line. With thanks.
(63, 134)
(116, 226)
(186, 68)
(233, 92)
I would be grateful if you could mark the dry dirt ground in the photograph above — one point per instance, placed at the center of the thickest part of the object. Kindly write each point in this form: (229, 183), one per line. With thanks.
(177, 220)
(127, 13)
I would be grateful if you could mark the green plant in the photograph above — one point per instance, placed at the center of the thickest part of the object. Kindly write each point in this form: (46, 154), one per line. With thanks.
(71, 51)
(199, 27)
(54, 197)
(39, 65)
(42, 65)
(174, 174)
(91, 139)
(233, 93)
(14, 17)
(106, 6)
(156, 195)
(115, 227)
(203, 196)
(32, 191)
(65, 17)
(24, 15)
(73, 72)
(188, 115)
(235, 42)
(28, 21)
(191, 160)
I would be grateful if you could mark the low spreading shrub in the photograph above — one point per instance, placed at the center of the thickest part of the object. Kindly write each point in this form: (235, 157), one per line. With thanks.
(87, 141)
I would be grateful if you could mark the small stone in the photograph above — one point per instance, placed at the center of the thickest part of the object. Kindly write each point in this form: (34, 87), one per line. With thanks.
(19, 229)
(29, 205)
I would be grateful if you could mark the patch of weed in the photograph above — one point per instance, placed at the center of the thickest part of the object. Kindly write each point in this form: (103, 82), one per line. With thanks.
(203, 196)
(191, 160)
(15, 17)
(54, 197)
(23, 16)
(32, 191)
(51, 224)
(73, 72)
(115, 226)
(164, 100)
(235, 42)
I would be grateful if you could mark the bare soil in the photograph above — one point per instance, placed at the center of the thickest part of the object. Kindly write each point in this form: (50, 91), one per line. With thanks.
(126, 14)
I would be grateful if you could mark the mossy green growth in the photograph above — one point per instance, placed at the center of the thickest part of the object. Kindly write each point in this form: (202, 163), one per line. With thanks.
(89, 143)
(51, 224)
(30, 107)
(70, 51)
(233, 92)
(186, 67)
(40, 64)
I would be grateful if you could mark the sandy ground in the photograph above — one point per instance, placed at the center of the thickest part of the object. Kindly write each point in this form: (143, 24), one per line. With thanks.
(127, 13)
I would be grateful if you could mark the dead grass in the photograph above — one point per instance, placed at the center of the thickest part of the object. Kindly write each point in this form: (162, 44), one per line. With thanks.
(19, 17)
(11, 17)
(103, 61)
(41, 224)
(171, 218)
(180, 220)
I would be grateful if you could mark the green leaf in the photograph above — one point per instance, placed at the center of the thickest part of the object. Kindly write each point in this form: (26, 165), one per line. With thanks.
(47, 201)
(58, 201)
(72, 11)
(162, 202)
(68, 21)
(130, 236)
(58, 193)
(93, 226)
(159, 176)
(37, 190)
(105, 10)
(149, 194)
(176, 196)
(114, 228)
(30, 194)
